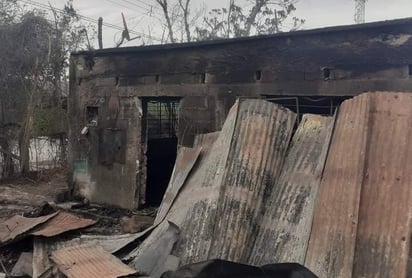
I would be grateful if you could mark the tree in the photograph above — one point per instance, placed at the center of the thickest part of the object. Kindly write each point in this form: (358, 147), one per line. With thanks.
(262, 17)
(34, 54)
(179, 19)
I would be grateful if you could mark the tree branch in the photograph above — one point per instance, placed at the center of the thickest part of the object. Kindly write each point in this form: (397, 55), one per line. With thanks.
(164, 6)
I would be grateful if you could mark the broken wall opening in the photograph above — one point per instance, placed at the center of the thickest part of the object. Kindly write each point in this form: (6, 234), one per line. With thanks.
(160, 125)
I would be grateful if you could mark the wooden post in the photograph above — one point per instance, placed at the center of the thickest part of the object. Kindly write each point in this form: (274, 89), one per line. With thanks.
(100, 31)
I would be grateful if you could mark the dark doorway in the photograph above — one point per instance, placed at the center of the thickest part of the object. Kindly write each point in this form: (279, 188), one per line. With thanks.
(160, 128)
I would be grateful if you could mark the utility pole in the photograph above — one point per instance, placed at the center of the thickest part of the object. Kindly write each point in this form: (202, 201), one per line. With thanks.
(360, 11)
(100, 32)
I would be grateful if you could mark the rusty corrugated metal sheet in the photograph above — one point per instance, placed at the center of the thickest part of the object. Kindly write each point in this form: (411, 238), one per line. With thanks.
(195, 209)
(61, 223)
(185, 160)
(18, 225)
(42, 249)
(257, 151)
(332, 241)
(89, 261)
(205, 140)
(286, 225)
(386, 200)
(246, 157)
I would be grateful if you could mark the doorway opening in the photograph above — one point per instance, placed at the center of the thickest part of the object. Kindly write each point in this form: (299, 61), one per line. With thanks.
(160, 120)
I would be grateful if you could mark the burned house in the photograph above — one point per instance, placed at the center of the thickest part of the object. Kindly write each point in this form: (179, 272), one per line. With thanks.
(130, 108)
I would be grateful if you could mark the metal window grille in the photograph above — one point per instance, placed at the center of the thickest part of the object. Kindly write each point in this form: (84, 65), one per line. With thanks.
(162, 118)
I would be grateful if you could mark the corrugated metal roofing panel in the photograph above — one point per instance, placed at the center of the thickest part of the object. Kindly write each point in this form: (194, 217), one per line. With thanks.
(205, 140)
(185, 160)
(257, 151)
(18, 225)
(386, 200)
(287, 220)
(251, 147)
(204, 143)
(42, 249)
(63, 222)
(195, 210)
(89, 261)
(332, 242)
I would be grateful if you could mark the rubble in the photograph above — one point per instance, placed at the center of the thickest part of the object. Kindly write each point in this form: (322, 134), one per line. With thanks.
(18, 226)
(24, 266)
(89, 261)
(332, 193)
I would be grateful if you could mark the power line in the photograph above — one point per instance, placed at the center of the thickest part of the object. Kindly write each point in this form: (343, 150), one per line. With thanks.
(89, 19)
(150, 5)
(148, 11)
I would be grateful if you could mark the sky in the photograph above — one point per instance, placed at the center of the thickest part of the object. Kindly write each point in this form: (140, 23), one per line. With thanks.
(143, 16)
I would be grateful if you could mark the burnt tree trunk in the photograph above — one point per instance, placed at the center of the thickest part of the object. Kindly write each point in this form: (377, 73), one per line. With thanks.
(8, 165)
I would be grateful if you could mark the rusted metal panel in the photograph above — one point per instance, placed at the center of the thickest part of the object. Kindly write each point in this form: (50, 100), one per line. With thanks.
(112, 243)
(195, 209)
(24, 266)
(61, 223)
(43, 248)
(332, 242)
(205, 140)
(186, 159)
(262, 130)
(286, 225)
(18, 226)
(386, 200)
(89, 261)
(256, 154)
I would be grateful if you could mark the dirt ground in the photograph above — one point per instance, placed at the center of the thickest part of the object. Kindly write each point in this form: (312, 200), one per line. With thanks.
(28, 196)
(23, 195)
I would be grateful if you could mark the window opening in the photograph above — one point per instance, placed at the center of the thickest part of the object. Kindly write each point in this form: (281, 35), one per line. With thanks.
(326, 73)
(258, 75)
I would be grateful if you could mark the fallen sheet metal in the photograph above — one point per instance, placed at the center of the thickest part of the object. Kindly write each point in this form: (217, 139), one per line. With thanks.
(89, 261)
(332, 241)
(42, 250)
(287, 220)
(206, 140)
(18, 226)
(386, 201)
(24, 266)
(256, 154)
(112, 243)
(153, 261)
(61, 223)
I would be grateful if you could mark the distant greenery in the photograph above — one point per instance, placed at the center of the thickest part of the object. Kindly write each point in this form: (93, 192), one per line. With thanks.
(49, 122)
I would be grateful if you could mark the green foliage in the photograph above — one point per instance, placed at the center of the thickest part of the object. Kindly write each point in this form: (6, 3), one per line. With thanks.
(49, 122)
(264, 17)
(8, 11)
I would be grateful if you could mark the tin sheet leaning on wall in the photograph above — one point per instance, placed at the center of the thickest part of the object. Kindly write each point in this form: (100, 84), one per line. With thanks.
(386, 200)
(288, 212)
(254, 197)
(230, 179)
(332, 241)
(361, 226)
